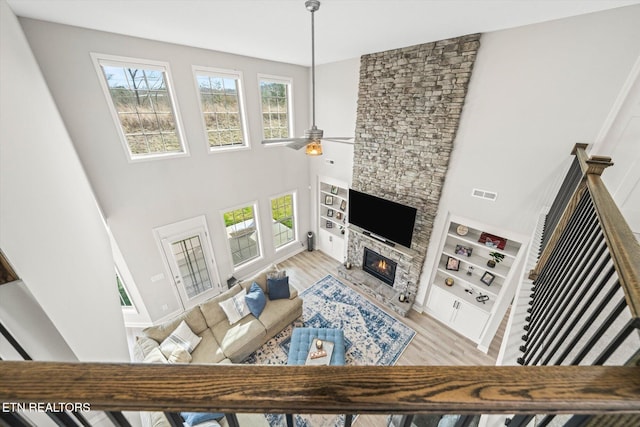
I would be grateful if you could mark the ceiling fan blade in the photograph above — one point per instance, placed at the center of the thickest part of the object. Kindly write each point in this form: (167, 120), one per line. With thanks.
(278, 141)
(298, 143)
(343, 140)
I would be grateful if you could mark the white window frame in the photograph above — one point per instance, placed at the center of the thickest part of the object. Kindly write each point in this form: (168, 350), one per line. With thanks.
(277, 79)
(256, 216)
(99, 59)
(294, 201)
(233, 74)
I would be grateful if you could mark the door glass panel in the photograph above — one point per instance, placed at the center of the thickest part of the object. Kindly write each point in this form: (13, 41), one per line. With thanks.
(189, 257)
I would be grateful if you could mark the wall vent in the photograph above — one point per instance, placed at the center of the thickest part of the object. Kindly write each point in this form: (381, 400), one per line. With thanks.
(484, 194)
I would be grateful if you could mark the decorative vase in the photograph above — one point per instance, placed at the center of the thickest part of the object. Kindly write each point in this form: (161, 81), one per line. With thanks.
(491, 263)
(448, 281)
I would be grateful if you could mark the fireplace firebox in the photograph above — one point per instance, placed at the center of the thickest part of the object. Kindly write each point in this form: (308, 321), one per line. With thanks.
(379, 266)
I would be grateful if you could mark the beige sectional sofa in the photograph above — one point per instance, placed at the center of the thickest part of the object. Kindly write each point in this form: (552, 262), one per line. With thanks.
(222, 342)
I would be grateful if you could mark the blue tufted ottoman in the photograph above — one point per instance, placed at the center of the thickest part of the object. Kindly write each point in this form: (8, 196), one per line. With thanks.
(301, 340)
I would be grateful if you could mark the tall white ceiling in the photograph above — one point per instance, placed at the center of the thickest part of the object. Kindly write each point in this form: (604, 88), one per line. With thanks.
(280, 30)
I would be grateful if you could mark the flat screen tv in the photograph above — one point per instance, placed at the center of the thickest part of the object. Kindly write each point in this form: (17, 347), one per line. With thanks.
(381, 217)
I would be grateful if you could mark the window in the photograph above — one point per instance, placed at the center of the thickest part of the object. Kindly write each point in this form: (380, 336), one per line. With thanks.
(125, 299)
(283, 213)
(242, 234)
(141, 102)
(275, 96)
(222, 108)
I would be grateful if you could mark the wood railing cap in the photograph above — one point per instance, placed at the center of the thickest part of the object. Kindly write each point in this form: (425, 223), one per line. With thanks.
(326, 389)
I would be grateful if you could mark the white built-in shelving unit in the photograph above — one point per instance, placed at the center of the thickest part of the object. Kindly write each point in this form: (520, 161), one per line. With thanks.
(332, 217)
(470, 304)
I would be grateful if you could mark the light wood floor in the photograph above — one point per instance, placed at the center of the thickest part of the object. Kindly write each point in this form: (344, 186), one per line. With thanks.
(434, 343)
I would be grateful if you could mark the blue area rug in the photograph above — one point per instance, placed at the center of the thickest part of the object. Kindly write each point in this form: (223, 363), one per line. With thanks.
(372, 337)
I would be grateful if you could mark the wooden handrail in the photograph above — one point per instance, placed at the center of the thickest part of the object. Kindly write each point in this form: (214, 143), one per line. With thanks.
(622, 244)
(326, 389)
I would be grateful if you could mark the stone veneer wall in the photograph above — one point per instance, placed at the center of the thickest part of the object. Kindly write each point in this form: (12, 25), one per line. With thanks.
(409, 106)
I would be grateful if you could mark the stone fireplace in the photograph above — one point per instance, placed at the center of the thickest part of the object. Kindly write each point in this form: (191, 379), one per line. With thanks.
(409, 106)
(379, 266)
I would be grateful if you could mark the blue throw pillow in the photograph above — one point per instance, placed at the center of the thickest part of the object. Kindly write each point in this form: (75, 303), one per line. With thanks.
(256, 299)
(195, 418)
(278, 288)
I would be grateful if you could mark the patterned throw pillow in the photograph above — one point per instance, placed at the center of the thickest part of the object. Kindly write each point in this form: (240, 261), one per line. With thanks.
(182, 337)
(235, 307)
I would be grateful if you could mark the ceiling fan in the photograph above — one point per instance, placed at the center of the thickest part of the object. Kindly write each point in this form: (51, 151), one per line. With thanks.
(313, 136)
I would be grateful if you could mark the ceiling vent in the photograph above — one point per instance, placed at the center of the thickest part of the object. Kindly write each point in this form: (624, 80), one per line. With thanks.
(484, 194)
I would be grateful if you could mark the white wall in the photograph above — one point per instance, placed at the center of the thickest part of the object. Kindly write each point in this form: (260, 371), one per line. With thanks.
(336, 102)
(137, 197)
(535, 91)
(30, 326)
(50, 227)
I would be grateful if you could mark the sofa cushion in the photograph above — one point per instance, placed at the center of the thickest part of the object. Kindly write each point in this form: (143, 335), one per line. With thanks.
(193, 318)
(278, 288)
(208, 351)
(181, 337)
(211, 310)
(143, 347)
(280, 313)
(155, 356)
(256, 299)
(235, 307)
(241, 339)
(179, 355)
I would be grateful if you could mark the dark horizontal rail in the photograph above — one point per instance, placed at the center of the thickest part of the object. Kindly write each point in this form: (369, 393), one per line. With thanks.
(326, 389)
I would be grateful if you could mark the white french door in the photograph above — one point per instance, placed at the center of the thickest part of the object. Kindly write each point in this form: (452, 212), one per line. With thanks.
(187, 251)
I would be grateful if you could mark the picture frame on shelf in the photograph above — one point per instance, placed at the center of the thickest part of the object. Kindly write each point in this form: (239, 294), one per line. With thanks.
(334, 189)
(487, 278)
(329, 224)
(329, 212)
(463, 250)
(453, 264)
(328, 200)
(338, 215)
(343, 205)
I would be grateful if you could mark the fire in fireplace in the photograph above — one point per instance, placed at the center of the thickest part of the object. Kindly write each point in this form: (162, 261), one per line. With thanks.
(379, 266)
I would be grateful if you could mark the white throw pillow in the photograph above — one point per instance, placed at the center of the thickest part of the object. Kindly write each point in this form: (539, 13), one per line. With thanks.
(182, 337)
(235, 307)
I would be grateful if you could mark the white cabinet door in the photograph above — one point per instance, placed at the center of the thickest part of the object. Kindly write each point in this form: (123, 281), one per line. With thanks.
(441, 305)
(461, 316)
(469, 320)
(331, 245)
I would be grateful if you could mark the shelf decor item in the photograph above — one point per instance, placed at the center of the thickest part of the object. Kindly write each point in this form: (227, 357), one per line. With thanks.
(487, 278)
(343, 205)
(329, 224)
(491, 241)
(496, 258)
(453, 264)
(329, 212)
(334, 189)
(463, 250)
(462, 230)
(449, 281)
(328, 200)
